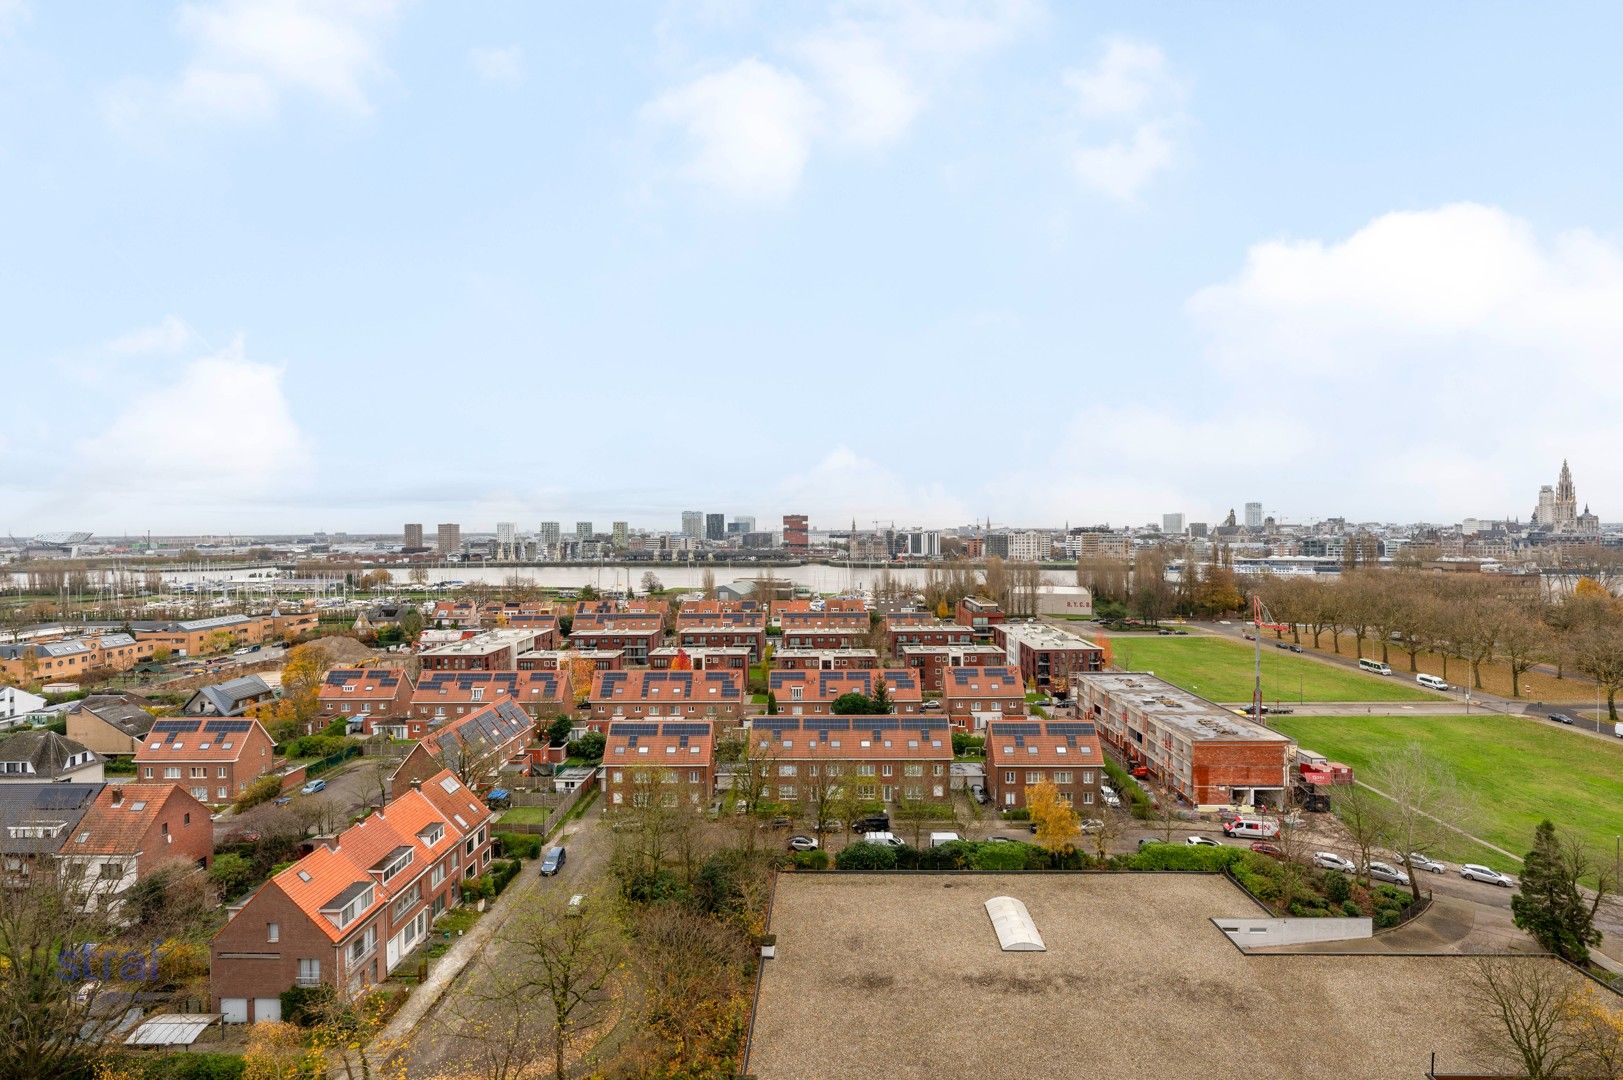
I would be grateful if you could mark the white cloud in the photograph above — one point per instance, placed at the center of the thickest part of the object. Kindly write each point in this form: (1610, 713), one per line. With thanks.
(504, 66)
(750, 128)
(862, 79)
(169, 336)
(249, 56)
(1435, 363)
(1130, 107)
(845, 485)
(221, 430)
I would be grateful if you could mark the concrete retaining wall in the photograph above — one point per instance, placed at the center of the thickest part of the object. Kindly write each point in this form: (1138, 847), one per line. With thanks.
(1252, 933)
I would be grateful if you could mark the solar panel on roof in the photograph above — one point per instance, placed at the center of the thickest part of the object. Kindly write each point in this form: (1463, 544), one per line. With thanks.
(61, 797)
(1068, 727)
(1008, 727)
(685, 729)
(633, 727)
(177, 726)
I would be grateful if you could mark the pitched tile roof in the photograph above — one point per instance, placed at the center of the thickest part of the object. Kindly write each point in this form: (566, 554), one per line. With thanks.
(199, 738)
(642, 684)
(459, 686)
(119, 828)
(855, 738)
(1011, 743)
(826, 685)
(117, 711)
(989, 681)
(368, 684)
(655, 743)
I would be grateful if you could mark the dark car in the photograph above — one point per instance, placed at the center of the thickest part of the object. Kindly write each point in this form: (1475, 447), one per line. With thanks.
(1164, 632)
(1181, 633)
(553, 862)
(871, 823)
(1282, 644)
(1295, 648)
(1561, 718)
(978, 793)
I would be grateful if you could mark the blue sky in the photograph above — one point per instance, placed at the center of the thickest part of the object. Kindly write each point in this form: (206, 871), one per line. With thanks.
(281, 265)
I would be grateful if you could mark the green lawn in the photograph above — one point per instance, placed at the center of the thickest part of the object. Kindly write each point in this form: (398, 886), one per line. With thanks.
(1516, 772)
(1221, 670)
(524, 815)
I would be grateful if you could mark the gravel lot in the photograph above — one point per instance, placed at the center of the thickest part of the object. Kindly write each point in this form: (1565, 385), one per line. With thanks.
(901, 976)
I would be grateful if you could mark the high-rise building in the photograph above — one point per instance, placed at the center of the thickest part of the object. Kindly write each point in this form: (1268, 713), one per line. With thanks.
(414, 537)
(448, 538)
(506, 539)
(693, 523)
(1197, 529)
(920, 543)
(1558, 506)
(1172, 524)
(547, 540)
(621, 532)
(1028, 547)
(741, 525)
(583, 531)
(715, 526)
(796, 534)
(1253, 515)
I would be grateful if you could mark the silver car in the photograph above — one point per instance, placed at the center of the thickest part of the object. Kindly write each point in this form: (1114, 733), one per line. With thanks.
(1424, 862)
(1381, 871)
(1487, 875)
(1329, 860)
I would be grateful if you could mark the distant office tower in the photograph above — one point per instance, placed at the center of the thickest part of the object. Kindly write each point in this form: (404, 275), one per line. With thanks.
(583, 531)
(1197, 529)
(997, 545)
(414, 536)
(622, 534)
(506, 539)
(547, 537)
(741, 525)
(1172, 524)
(796, 534)
(448, 539)
(715, 526)
(920, 543)
(693, 523)
(1253, 515)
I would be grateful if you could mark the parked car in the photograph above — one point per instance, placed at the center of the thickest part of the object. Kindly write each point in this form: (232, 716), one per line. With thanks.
(577, 904)
(871, 823)
(553, 862)
(1164, 632)
(313, 786)
(802, 843)
(1294, 647)
(776, 823)
(1282, 644)
(1423, 862)
(1201, 841)
(931, 706)
(1382, 871)
(1329, 860)
(1263, 847)
(998, 840)
(1146, 841)
(1092, 825)
(244, 651)
(1561, 718)
(1181, 633)
(885, 838)
(1486, 875)
(1266, 828)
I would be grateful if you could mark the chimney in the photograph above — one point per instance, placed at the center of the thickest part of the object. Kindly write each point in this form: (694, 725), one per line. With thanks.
(415, 784)
(118, 795)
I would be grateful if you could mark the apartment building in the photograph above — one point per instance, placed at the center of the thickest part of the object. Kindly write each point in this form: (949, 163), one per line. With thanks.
(347, 914)
(109, 724)
(805, 760)
(813, 693)
(844, 604)
(70, 658)
(365, 695)
(905, 630)
(704, 658)
(659, 763)
(824, 659)
(1045, 655)
(932, 662)
(1023, 753)
(214, 759)
(646, 605)
(560, 659)
(477, 746)
(198, 637)
(491, 650)
(824, 629)
(979, 614)
(796, 533)
(635, 633)
(737, 630)
(973, 697)
(443, 696)
(646, 694)
(1207, 755)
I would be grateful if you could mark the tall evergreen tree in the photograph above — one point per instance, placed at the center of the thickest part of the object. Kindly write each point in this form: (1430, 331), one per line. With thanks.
(1550, 905)
(881, 694)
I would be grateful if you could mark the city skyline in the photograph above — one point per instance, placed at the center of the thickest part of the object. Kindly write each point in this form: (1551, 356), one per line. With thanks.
(1158, 253)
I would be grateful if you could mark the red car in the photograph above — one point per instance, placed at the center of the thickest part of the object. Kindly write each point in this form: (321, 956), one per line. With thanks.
(1263, 847)
(1141, 771)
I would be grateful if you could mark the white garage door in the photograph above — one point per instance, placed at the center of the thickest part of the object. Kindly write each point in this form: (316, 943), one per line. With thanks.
(267, 1009)
(234, 1010)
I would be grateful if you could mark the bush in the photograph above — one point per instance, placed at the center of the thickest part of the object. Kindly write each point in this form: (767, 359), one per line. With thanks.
(1336, 886)
(809, 860)
(1019, 813)
(317, 746)
(967, 745)
(232, 873)
(518, 845)
(502, 873)
(1386, 917)
(303, 1005)
(1185, 857)
(262, 790)
(478, 888)
(339, 727)
(183, 1067)
(589, 747)
(1351, 909)
(119, 766)
(866, 856)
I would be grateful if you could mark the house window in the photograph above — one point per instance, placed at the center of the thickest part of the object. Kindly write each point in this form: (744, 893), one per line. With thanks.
(1062, 778)
(309, 972)
(887, 770)
(201, 794)
(171, 772)
(1034, 778)
(273, 931)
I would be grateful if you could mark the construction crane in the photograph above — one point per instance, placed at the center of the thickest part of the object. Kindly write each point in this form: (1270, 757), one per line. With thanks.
(1262, 620)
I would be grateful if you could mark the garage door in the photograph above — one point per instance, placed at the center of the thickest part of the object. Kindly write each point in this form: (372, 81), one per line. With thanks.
(234, 1010)
(267, 1009)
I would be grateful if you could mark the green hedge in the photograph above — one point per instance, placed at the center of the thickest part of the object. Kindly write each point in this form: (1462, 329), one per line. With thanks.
(809, 860)
(865, 856)
(518, 845)
(332, 760)
(503, 872)
(184, 1066)
(262, 790)
(1186, 857)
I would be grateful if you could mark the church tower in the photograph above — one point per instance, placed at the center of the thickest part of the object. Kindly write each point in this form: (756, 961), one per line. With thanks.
(1566, 501)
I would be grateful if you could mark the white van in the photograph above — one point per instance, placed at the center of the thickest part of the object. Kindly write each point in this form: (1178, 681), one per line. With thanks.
(1260, 828)
(1375, 666)
(939, 838)
(1431, 682)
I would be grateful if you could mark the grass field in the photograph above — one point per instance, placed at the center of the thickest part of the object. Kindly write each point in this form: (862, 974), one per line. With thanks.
(1515, 771)
(1221, 671)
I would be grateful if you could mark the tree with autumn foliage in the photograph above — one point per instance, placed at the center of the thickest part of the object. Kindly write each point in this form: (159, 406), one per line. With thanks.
(581, 671)
(1055, 818)
(1107, 651)
(299, 707)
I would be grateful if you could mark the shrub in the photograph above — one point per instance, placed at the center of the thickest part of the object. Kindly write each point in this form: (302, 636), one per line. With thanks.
(317, 746)
(502, 872)
(478, 888)
(1185, 857)
(1019, 813)
(338, 728)
(185, 1067)
(967, 745)
(518, 845)
(303, 1005)
(589, 747)
(232, 873)
(1351, 909)
(1336, 886)
(866, 856)
(262, 790)
(809, 860)
(1386, 917)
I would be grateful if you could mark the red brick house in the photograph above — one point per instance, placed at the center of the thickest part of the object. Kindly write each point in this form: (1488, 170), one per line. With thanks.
(803, 760)
(976, 696)
(904, 630)
(492, 650)
(477, 746)
(1023, 753)
(724, 658)
(132, 829)
(1046, 655)
(844, 604)
(213, 758)
(813, 693)
(365, 695)
(824, 659)
(825, 629)
(932, 662)
(723, 629)
(637, 634)
(979, 614)
(663, 762)
(646, 694)
(444, 696)
(345, 915)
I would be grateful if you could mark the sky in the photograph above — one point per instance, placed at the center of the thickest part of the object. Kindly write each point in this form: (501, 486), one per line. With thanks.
(287, 265)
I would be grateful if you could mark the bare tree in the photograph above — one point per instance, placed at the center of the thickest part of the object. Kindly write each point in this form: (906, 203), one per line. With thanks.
(1424, 803)
(1523, 642)
(500, 1033)
(693, 981)
(568, 962)
(1166, 809)
(1524, 1008)
(1364, 814)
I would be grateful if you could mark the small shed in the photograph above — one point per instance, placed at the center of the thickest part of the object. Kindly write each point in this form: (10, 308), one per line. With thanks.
(172, 1029)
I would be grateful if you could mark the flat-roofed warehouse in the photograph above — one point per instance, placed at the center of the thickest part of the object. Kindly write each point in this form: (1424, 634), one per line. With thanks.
(901, 976)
